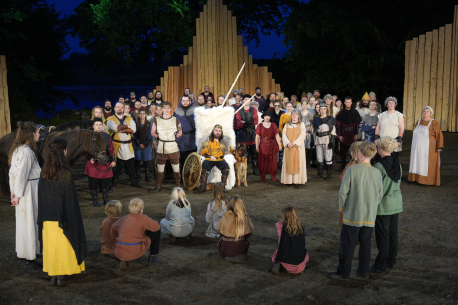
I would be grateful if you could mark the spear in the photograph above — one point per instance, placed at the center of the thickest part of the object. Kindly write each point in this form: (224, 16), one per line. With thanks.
(227, 95)
(244, 104)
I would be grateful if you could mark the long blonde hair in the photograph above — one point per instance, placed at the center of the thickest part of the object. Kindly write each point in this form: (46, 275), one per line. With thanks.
(219, 192)
(242, 220)
(291, 221)
(354, 150)
(179, 196)
(93, 112)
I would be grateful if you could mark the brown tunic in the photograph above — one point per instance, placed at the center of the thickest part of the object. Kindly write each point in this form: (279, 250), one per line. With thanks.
(231, 248)
(436, 141)
(131, 230)
(107, 239)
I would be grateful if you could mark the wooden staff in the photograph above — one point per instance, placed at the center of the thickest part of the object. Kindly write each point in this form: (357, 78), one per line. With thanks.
(244, 104)
(233, 84)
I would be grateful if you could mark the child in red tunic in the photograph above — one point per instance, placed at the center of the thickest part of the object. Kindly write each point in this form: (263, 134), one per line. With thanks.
(112, 209)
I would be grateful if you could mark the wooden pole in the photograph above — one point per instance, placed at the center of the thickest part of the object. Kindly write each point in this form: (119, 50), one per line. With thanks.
(227, 95)
(244, 104)
(5, 119)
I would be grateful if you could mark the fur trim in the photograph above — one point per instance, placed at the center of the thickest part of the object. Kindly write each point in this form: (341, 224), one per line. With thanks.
(215, 175)
(206, 119)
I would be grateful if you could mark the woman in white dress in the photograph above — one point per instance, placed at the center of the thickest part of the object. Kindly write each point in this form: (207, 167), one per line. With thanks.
(24, 175)
(391, 123)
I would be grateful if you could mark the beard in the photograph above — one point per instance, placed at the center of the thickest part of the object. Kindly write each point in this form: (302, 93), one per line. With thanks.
(258, 94)
(107, 108)
(364, 105)
(186, 107)
(120, 112)
(217, 136)
(201, 104)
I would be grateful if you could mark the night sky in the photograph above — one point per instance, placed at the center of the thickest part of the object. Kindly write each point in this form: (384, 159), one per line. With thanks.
(267, 47)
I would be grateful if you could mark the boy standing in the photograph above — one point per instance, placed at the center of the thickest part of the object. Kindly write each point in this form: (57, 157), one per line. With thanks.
(359, 196)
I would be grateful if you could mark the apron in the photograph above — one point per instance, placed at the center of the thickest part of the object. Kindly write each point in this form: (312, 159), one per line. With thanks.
(292, 154)
(419, 156)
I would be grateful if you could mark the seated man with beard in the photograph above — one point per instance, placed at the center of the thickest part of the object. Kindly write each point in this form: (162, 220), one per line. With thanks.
(213, 149)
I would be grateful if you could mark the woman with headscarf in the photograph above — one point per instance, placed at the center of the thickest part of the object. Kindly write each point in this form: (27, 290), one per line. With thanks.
(268, 144)
(427, 144)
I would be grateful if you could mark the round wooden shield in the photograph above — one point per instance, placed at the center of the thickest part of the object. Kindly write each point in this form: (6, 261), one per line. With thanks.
(191, 171)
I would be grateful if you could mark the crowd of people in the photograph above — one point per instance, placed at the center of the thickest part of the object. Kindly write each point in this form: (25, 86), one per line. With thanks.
(277, 133)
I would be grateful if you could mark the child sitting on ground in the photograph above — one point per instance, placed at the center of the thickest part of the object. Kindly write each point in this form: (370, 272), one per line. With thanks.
(235, 227)
(112, 209)
(354, 156)
(291, 254)
(216, 210)
(178, 221)
(134, 234)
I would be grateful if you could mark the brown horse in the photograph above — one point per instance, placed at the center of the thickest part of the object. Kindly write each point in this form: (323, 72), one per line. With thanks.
(79, 142)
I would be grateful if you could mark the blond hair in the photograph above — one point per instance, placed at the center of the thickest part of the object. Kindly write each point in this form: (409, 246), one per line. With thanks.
(368, 149)
(219, 192)
(387, 144)
(354, 150)
(430, 109)
(179, 196)
(298, 116)
(113, 208)
(93, 112)
(242, 220)
(136, 206)
(291, 221)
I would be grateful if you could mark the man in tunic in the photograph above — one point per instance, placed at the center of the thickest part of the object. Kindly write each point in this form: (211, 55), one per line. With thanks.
(201, 101)
(214, 148)
(348, 121)
(166, 129)
(261, 100)
(245, 122)
(373, 97)
(107, 110)
(150, 97)
(158, 98)
(208, 94)
(132, 99)
(324, 132)
(134, 111)
(144, 103)
(187, 142)
(122, 128)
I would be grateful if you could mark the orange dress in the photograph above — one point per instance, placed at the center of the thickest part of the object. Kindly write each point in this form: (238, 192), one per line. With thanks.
(436, 141)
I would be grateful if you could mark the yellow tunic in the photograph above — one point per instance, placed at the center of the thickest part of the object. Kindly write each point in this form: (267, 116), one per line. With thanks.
(116, 135)
(284, 118)
(59, 258)
(213, 148)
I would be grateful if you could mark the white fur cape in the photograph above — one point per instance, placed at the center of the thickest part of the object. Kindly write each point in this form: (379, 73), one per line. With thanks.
(205, 120)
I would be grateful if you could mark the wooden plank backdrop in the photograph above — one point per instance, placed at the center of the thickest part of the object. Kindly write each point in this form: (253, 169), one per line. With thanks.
(214, 59)
(431, 76)
(5, 118)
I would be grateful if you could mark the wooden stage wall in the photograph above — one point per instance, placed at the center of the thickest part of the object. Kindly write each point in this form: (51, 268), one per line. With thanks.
(431, 76)
(214, 59)
(5, 120)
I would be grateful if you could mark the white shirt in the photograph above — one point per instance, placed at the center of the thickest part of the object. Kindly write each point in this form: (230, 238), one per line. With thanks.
(124, 152)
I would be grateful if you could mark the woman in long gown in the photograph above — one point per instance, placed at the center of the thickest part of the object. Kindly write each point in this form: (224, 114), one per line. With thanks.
(427, 144)
(24, 174)
(59, 218)
(294, 169)
(268, 144)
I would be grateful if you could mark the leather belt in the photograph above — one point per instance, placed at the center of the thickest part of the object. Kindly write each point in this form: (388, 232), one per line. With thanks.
(322, 134)
(122, 142)
(188, 132)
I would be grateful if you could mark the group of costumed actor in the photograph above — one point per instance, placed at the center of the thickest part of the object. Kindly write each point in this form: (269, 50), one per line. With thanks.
(122, 128)
(324, 131)
(268, 144)
(99, 175)
(348, 121)
(245, 124)
(166, 129)
(214, 148)
(187, 141)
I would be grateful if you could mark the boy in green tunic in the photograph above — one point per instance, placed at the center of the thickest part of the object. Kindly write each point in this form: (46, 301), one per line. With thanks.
(359, 196)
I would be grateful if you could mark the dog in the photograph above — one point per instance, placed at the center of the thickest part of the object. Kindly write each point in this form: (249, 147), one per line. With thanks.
(240, 166)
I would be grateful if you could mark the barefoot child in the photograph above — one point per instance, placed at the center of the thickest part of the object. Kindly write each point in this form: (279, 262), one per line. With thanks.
(216, 210)
(291, 254)
(112, 209)
(134, 234)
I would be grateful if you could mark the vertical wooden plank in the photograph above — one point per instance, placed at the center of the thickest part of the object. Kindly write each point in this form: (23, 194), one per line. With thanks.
(265, 79)
(271, 89)
(185, 66)
(251, 87)
(245, 83)
(171, 85)
(206, 68)
(225, 52)
(412, 81)
(5, 117)
(256, 77)
(230, 56)
(178, 85)
(427, 70)
(273, 85)
(195, 64)
(454, 83)
(440, 76)
(277, 88)
(234, 49)
(240, 60)
(189, 78)
(420, 71)
(165, 86)
(446, 78)
(181, 85)
(406, 80)
(433, 77)
(201, 72)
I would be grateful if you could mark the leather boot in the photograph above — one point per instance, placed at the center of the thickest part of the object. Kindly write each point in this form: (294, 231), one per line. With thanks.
(105, 195)
(95, 199)
(159, 178)
(319, 166)
(114, 182)
(176, 178)
(224, 175)
(138, 165)
(203, 182)
(329, 171)
(134, 182)
(254, 162)
(147, 171)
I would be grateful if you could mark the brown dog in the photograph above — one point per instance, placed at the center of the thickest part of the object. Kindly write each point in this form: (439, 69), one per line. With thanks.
(240, 166)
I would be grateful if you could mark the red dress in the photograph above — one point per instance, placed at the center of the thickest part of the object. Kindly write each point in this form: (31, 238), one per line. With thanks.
(268, 149)
(101, 171)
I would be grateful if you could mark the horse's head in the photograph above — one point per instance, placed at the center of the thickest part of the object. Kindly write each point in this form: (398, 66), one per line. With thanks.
(93, 144)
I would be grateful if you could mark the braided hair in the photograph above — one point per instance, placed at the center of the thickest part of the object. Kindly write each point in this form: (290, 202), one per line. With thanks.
(24, 136)
(55, 162)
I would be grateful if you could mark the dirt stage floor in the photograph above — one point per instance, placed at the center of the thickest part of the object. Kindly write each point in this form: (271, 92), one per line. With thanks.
(193, 272)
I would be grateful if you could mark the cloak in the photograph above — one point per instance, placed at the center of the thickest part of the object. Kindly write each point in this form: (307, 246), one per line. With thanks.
(291, 249)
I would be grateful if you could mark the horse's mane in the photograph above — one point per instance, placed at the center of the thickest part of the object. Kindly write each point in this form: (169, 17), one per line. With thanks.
(76, 125)
(83, 137)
